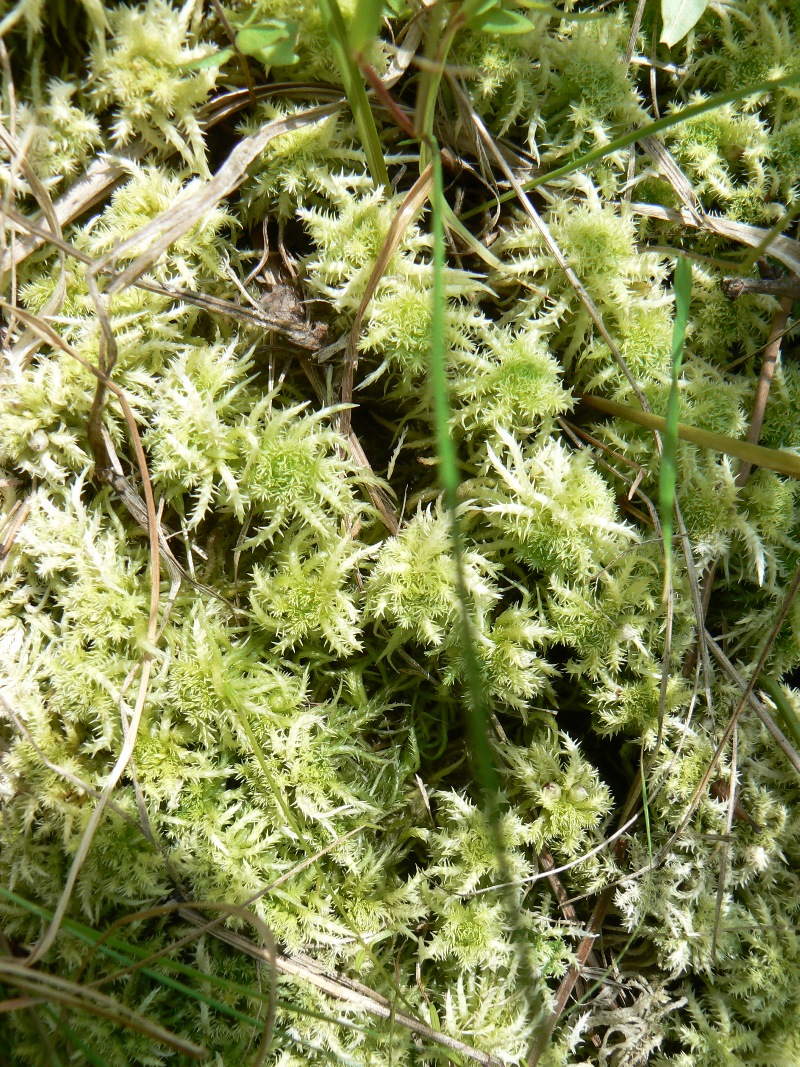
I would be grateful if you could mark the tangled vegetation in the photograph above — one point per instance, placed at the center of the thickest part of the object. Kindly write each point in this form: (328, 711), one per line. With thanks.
(353, 706)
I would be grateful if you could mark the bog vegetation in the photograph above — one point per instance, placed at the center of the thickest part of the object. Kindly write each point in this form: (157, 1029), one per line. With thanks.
(400, 533)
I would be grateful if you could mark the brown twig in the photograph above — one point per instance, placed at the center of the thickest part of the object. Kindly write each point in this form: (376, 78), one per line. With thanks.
(309, 336)
(771, 353)
(350, 992)
(582, 954)
(758, 707)
(784, 249)
(29, 341)
(547, 863)
(788, 286)
(13, 524)
(97, 181)
(635, 27)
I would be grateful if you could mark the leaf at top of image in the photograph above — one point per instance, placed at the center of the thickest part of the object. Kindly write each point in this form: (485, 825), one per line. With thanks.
(490, 17)
(679, 17)
(365, 24)
(271, 43)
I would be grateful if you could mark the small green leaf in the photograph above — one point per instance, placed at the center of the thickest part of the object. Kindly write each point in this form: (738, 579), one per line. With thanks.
(434, 1015)
(679, 17)
(216, 59)
(473, 9)
(502, 23)
(557, 12)
(365, 23)
(353, 81)
(271, 43)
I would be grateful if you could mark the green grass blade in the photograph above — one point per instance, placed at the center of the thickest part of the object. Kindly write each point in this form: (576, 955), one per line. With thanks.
(439, 36)
(668, 474)
(354, 88)
(477, 711)
(785, 709)
(664, 123)
(88, 1053)
(126, 954)
(448, 466)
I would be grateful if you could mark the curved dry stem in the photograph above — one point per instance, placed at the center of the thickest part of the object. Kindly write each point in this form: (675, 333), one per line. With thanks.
(191, 206)
(28, 343)
(49, 987)
(237, 910)
(48, 334)
(412, 204)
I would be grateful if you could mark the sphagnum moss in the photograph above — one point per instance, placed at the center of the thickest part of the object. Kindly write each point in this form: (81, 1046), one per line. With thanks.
(316, 706)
